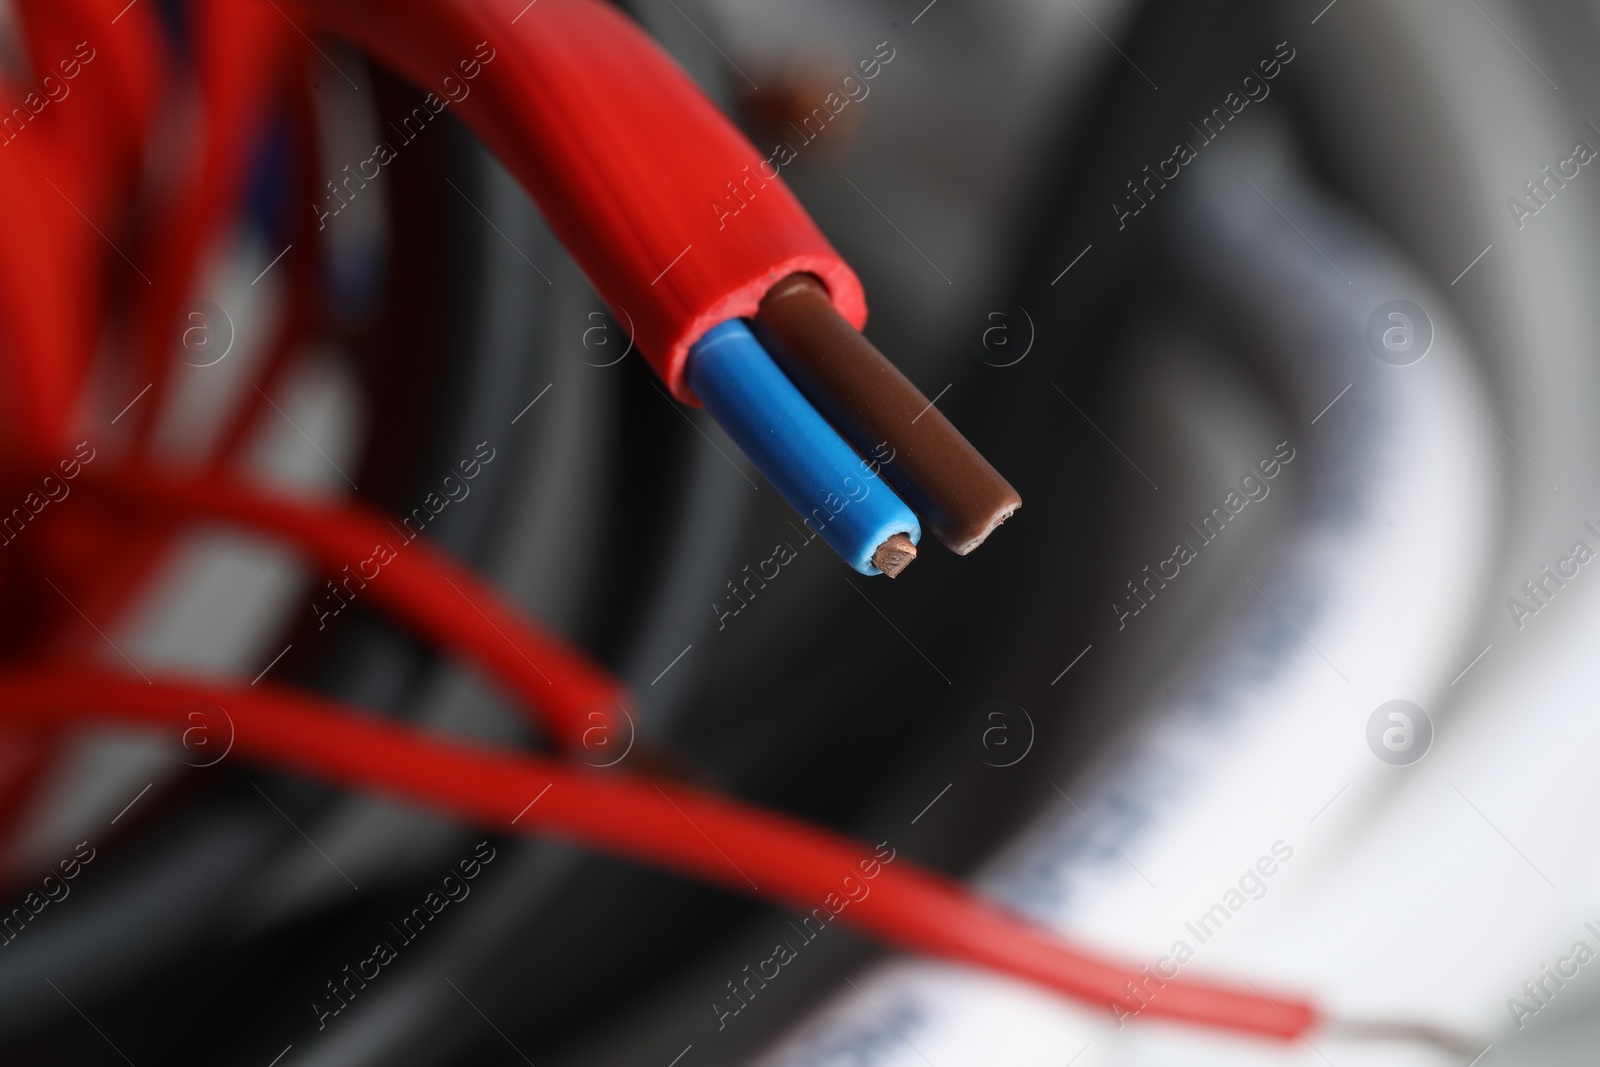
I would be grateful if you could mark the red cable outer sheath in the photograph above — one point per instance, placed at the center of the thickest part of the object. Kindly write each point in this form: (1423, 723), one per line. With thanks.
(624, 155)
(62, 173)
(116, 107)
(670, 826)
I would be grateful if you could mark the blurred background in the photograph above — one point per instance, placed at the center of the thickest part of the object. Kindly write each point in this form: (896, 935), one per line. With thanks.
(1280, 317)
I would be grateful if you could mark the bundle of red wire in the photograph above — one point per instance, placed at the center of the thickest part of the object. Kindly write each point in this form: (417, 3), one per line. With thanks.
(621, 152)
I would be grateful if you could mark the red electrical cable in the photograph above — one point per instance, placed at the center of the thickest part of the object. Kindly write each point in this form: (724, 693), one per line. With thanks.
(432, 593)
(668, 825)
(63, 173)
(624, 155)
(240, 49)
(47, 249)
(90, 97)
(117, 92)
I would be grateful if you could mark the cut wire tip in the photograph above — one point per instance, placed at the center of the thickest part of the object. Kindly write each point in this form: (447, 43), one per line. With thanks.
(894, 555)
(983, 535)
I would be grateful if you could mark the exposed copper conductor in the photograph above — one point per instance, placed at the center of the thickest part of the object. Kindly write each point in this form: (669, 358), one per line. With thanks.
(894, 555)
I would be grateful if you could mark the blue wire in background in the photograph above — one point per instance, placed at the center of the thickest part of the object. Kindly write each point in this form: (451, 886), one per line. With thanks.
(794, 447)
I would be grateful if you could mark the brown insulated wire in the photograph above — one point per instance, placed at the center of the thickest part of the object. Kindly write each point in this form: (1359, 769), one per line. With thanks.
(954, 491)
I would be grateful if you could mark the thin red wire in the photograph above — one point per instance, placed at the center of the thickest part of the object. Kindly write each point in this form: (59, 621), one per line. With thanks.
(669, 825)
(429, 591)
(66, 175)
(240, 50)
(237, 47)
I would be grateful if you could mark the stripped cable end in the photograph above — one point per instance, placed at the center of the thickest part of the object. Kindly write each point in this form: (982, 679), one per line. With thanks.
(894, 555)
(958, 496)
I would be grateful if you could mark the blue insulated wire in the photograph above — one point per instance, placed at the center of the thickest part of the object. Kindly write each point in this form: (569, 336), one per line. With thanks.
(794, 447)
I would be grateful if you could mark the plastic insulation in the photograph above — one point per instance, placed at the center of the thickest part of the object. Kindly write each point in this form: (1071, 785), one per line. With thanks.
(241, 52)
(374, 560)
(118, 77)
(53, 299)
(938, 472)
(67, 165)
(624, 155)
(668, 825)
(812, 468)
